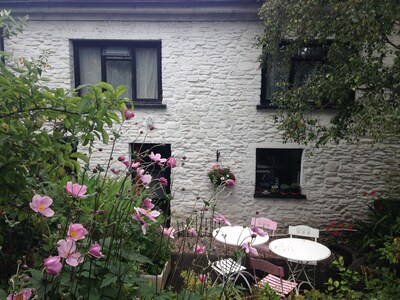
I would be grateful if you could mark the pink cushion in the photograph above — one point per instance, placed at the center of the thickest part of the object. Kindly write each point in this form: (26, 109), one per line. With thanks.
(275, 283)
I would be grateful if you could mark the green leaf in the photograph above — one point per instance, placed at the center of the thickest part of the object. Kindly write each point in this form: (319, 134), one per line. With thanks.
(108, 279)
(80, 155)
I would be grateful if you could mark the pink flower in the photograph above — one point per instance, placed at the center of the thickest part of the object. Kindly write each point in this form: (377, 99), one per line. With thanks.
(168, 231)
(157, 158)
(67, 249)
(148, 204)
(230, 182)
(221, 218)
(138, 218)
(215, 167)
(163, 181)
(135, 165)
(192, 232)
(95, 251)
(248, 248)
(171, 162)
(121, 158)
(53, 265)
(76, 232)
(199, 249)
(75, 190)
(202, 278)
(24, 294)
(128, 114)
(145, 179)
(41, 205)
(258, 230)
(116, 172)
(151, 214)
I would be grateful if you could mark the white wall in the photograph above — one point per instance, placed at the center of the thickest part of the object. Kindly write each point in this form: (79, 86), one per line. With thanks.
(211, 86)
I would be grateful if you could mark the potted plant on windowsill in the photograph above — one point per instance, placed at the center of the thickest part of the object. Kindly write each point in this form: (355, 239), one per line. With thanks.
(285, 189)
(295, 189)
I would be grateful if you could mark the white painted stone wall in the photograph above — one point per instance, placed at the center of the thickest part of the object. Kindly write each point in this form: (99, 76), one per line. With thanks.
(211, 85)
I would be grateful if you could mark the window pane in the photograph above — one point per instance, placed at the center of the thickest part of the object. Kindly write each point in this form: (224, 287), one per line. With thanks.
(276, 167)
(119, 72)
(278, 72)
(146, 73)
(89, 65)
(304, 71)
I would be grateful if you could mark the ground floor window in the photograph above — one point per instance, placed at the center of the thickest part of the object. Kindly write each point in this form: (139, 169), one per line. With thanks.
(278, 172)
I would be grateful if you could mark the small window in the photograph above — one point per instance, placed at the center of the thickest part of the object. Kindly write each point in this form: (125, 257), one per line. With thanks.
(277, 168)
(136, 65)
(296, 72)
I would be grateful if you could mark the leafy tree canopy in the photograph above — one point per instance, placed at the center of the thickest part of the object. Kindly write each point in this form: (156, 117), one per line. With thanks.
(360, 81)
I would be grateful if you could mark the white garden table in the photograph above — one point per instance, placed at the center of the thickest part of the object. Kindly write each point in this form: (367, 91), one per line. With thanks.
(299, 254)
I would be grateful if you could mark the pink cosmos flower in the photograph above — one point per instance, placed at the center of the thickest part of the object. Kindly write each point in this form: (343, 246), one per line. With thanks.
(215, 167)
(151, 214)
(75, 190)
(230, 182)
(171, 162)
(157, 158)
(95, 251)
(24, 294)
(128, 114)
(67, 249)
(202, 278)
(138, 218)
(192, 232)
(199, 249)
(116, 172)
(258, 230)
(76, 232)
(121, 158)
(53, 265)
(41, 205)
(148, 204)
(163, 181)
(221, 218)
(168, 231)
(146, 179)
(248, 248)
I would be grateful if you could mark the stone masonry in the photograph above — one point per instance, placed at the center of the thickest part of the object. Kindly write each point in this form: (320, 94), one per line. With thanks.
(211, 84)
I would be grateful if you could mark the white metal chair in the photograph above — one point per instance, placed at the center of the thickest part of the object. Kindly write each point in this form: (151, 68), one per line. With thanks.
(268, 225)
(229, 270)
(304, 232)
(274, 278)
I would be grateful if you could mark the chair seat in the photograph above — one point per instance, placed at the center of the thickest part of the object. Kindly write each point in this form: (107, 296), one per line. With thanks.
(226, 266)
(275, 283)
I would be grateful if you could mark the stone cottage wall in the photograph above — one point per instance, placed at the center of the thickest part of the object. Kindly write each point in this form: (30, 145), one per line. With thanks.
(211, 85)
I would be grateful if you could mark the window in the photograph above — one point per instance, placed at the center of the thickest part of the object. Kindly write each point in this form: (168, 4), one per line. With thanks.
(277, 167)
(296, 71)
(135, 64)
(160, 197)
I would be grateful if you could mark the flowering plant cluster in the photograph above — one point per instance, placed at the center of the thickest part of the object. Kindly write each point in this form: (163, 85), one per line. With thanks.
(220, 175)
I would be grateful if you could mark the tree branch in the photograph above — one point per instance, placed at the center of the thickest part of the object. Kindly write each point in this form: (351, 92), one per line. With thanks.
(37, 109)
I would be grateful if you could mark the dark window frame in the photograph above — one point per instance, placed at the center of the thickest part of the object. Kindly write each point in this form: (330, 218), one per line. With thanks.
(270, 170)
(265, 102)
(132, 45)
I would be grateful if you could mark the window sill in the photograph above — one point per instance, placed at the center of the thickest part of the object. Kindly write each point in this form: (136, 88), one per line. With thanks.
(150, 105)
(280, 196)
(266, 106)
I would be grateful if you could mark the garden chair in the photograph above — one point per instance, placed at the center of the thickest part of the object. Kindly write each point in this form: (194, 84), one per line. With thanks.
(229, 270)
(304, 232)
(267, 225)
(274, 278)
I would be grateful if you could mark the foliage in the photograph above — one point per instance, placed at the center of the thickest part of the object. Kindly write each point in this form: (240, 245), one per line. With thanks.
(363, 59)
(220, 175)
(265, 292)
(69, 228)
